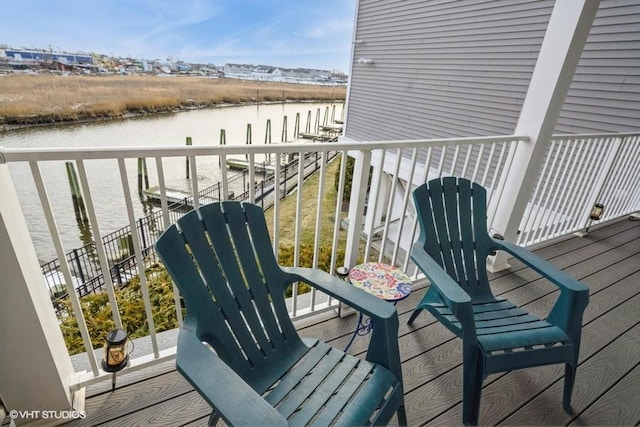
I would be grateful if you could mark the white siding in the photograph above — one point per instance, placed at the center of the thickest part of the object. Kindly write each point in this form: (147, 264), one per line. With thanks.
(462, 68)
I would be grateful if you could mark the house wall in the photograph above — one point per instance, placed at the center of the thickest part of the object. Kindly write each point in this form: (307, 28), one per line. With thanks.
(462, 68)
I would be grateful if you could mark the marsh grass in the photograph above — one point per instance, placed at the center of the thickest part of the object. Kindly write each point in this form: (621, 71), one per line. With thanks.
(34, 99)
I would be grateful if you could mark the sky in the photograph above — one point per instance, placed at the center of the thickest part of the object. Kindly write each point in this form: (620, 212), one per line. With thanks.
(284, 33)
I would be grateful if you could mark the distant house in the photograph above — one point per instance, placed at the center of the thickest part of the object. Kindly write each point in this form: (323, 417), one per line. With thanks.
(238, 70)
(37, 56)
(265, 72)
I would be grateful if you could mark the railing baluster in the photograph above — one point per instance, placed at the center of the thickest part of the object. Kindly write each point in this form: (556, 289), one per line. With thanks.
(414, 228)
(338, 211)
(596, 155)
(561, 210)
(392, 196)
(252, 178)
(276, 205)
(374, 203)
(318, 229)
(104, 264)
(405, 204)
(166, 222)
(624, 181)
(298, 229)
(66, 272)
(567, 169)
(138, 252)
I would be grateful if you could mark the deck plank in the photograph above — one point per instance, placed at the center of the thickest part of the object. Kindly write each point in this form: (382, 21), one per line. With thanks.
(519, 389)
(607, 384)
(618, 406)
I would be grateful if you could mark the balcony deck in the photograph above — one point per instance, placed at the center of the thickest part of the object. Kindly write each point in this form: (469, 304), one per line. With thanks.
(607, 390)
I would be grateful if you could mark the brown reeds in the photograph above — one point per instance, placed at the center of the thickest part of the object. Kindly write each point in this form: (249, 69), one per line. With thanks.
(36, 99)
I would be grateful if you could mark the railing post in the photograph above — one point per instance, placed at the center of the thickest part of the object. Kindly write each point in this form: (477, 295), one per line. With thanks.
(35, 366)
(561, 49)
(359, 183)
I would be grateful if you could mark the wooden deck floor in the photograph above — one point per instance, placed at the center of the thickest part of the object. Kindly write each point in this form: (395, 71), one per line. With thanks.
(607, 390)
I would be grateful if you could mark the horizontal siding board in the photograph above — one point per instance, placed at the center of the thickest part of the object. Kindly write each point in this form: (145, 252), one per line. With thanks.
(462, 68)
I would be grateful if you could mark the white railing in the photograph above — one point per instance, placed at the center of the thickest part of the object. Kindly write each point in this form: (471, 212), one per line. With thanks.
(578, 172)
(591, 168)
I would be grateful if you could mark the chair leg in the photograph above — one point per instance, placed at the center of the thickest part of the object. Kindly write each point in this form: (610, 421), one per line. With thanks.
(214, 418)
(414, 315)
(473, 376)
(402, 416)
(569, 379)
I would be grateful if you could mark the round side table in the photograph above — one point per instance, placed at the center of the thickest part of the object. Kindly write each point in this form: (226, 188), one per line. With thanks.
(380, 280)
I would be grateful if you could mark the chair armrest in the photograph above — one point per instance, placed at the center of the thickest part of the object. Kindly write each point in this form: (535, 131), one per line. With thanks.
(458, 301)
(454, 296)
(363, 302)
(574, 296)
(383, 347)
(548, 270)
(235, 401)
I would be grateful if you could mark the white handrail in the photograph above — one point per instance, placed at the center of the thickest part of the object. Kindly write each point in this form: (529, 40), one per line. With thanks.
(486, 160)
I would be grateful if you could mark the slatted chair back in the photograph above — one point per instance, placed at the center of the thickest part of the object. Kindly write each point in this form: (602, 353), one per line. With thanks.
(239, 306)
(453, 223)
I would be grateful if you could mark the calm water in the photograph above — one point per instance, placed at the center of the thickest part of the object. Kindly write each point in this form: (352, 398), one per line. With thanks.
(203, 126)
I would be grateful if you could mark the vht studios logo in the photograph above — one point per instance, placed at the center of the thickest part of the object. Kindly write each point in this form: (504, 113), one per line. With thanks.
(51, 415)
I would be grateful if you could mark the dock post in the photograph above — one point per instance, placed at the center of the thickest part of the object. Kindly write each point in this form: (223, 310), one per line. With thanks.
(267, 138)
(76, 195)
(187, 158)
(307, 128)
(296, 126)
(143, 176)
(316, 128)
(223, 141)
(248, 142)
(283, 138)
(146, 174)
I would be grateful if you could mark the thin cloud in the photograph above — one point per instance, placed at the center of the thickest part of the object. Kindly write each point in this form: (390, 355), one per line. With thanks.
(303, 33)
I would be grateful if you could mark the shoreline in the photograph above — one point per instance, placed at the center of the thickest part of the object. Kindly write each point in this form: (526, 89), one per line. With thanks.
(41, 123)
(44, 100)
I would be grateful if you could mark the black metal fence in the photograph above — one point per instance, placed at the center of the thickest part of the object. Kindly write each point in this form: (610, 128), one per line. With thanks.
(83, 262)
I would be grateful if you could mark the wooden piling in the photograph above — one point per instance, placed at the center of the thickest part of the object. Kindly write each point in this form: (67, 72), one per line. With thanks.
(143, 176)
(223, 141)
(76, 195)
(307, 127)
(296, 126)
(283, 138)
(316, 128)
(248, 141)
(267, 138)
(187, 158)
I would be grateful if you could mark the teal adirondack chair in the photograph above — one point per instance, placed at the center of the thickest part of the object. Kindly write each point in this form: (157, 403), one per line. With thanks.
(497, 335)
(253, 368)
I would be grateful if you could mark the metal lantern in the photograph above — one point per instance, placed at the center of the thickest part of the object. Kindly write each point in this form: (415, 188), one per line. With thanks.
(116, 354)
(342, 273)
(596, 212)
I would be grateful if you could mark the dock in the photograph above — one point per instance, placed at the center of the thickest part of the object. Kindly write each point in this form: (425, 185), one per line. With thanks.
(241, 164)
(175, 197)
